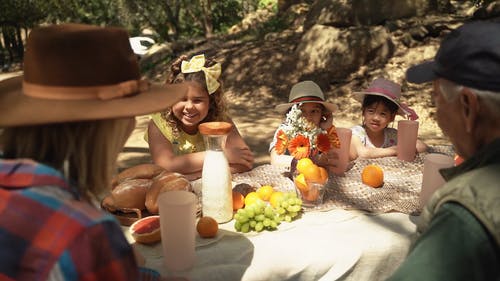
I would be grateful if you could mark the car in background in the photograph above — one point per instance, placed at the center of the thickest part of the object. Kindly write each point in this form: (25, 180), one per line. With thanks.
(141, 44)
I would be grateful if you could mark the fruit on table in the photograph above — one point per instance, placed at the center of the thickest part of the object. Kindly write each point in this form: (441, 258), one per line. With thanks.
(251, 198)
(244, 188)
(207, 227)
(372, 175)
(265, 192)
(261, 216)
(238, 200)
(146, 230)
(166, 181)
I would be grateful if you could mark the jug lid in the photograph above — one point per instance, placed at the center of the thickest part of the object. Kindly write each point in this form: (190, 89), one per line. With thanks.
(215, 128)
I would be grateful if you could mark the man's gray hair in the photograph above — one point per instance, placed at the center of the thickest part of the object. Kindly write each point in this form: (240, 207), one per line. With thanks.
(450, 91)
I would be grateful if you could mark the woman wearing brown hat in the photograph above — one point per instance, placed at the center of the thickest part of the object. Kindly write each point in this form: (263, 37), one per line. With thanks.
(64, 123)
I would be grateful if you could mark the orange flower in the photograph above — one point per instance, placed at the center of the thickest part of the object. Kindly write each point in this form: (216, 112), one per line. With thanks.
(299, 147)
(323, 142)
(333, 137)
(281, 142)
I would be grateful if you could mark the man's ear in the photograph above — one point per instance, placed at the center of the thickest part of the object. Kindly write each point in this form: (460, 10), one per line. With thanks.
(469, 104)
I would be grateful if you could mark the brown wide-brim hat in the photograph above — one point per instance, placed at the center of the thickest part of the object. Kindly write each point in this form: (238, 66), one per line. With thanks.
(76, 72)
(305, 92)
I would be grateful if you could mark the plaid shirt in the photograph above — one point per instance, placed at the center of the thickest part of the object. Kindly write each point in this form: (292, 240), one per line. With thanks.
(47, 233)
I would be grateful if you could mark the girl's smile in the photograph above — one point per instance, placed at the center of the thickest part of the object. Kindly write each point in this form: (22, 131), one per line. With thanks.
(193, 108)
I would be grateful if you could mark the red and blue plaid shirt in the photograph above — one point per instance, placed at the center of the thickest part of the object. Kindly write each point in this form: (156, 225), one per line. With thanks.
(46, 232)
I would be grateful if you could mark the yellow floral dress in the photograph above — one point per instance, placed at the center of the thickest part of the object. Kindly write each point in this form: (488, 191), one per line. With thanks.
(184, 143)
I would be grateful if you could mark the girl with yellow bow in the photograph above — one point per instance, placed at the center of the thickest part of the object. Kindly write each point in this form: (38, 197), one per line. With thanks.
(173, 137)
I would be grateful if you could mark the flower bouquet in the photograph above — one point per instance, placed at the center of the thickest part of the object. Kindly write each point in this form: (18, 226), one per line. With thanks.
(304, 140)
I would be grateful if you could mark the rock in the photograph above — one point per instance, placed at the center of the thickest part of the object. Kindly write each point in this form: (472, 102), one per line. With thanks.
(344, 13)
(337, 52)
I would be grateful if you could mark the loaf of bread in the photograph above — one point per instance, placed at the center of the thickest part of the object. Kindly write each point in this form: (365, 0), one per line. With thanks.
(166, 181)
(130, 193)
(141, 171)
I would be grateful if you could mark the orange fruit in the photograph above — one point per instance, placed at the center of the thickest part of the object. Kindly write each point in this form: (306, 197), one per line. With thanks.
(251, 198)
(303, 163)
(238, 200)
(265, 192)
(372, 175)
(207, 227)
(312, 173)
(324, 175)
(276, 198)
(300, 183)
(311, 195)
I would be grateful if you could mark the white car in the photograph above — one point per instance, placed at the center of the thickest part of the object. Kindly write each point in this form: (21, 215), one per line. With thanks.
(140, 44)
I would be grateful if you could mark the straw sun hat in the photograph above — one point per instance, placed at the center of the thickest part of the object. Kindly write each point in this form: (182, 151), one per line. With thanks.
(75, 72)
(305, 92)
(389, 90)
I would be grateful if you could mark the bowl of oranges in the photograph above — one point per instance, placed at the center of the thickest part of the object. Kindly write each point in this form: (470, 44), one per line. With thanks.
(310, 181)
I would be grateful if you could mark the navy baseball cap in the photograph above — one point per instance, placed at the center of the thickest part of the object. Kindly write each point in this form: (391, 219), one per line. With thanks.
(468, 56)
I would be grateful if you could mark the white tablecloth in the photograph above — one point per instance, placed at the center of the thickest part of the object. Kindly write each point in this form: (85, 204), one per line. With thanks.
(331, 245)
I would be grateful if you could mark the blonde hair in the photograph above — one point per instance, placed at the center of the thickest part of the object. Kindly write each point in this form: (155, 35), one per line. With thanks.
(85, 152)
(217, 110)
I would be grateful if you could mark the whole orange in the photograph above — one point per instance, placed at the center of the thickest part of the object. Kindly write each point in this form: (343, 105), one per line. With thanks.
(238, 200)
(207, 227)
(312, 173)
(372, 175)
(303, 163)
(324, 175)
(251, 198)
(265, 192)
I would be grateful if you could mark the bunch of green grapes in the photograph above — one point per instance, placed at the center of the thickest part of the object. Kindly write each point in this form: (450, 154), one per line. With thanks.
(262, 216)
(258, 216)
(288, 208)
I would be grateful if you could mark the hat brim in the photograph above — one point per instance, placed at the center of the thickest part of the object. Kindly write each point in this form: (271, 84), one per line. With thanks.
(284, 107)
(359, 96)
(17, 109)
(422, 73)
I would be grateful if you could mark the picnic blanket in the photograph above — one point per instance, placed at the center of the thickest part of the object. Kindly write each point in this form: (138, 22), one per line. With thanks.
(400, 192)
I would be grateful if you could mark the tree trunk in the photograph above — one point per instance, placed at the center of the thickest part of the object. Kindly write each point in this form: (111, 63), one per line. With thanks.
(207, 17)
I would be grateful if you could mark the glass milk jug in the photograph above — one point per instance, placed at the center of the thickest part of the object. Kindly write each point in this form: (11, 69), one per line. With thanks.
(216, 188)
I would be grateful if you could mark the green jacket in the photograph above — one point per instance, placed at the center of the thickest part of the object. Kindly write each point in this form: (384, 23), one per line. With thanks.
(459, 228)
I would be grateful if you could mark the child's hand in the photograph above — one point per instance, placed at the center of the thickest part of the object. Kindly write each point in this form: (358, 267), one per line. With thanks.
(326, 121)
(240, 156)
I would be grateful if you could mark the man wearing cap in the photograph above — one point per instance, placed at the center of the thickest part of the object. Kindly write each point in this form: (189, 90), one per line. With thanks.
(459, 228)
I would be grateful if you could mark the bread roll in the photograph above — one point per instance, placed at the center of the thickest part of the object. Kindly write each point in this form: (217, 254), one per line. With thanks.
(130, 193)
(166, 181)
(141, 171)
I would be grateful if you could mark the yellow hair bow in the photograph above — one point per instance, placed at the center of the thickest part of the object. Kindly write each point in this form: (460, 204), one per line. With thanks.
(197, 63)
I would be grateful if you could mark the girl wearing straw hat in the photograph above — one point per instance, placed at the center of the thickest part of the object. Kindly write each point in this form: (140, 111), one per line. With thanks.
(380, 104)
(64, 123)
(308, 100)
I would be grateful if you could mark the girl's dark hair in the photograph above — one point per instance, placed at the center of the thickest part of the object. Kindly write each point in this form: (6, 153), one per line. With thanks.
(217, 104)
(371, 99)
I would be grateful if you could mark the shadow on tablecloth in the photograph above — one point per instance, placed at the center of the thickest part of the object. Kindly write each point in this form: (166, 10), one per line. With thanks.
(400, 192)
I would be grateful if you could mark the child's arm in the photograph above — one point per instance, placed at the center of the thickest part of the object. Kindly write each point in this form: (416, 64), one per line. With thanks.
(421, 146)
(359, 150)
(163, 154)
(238, 154)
